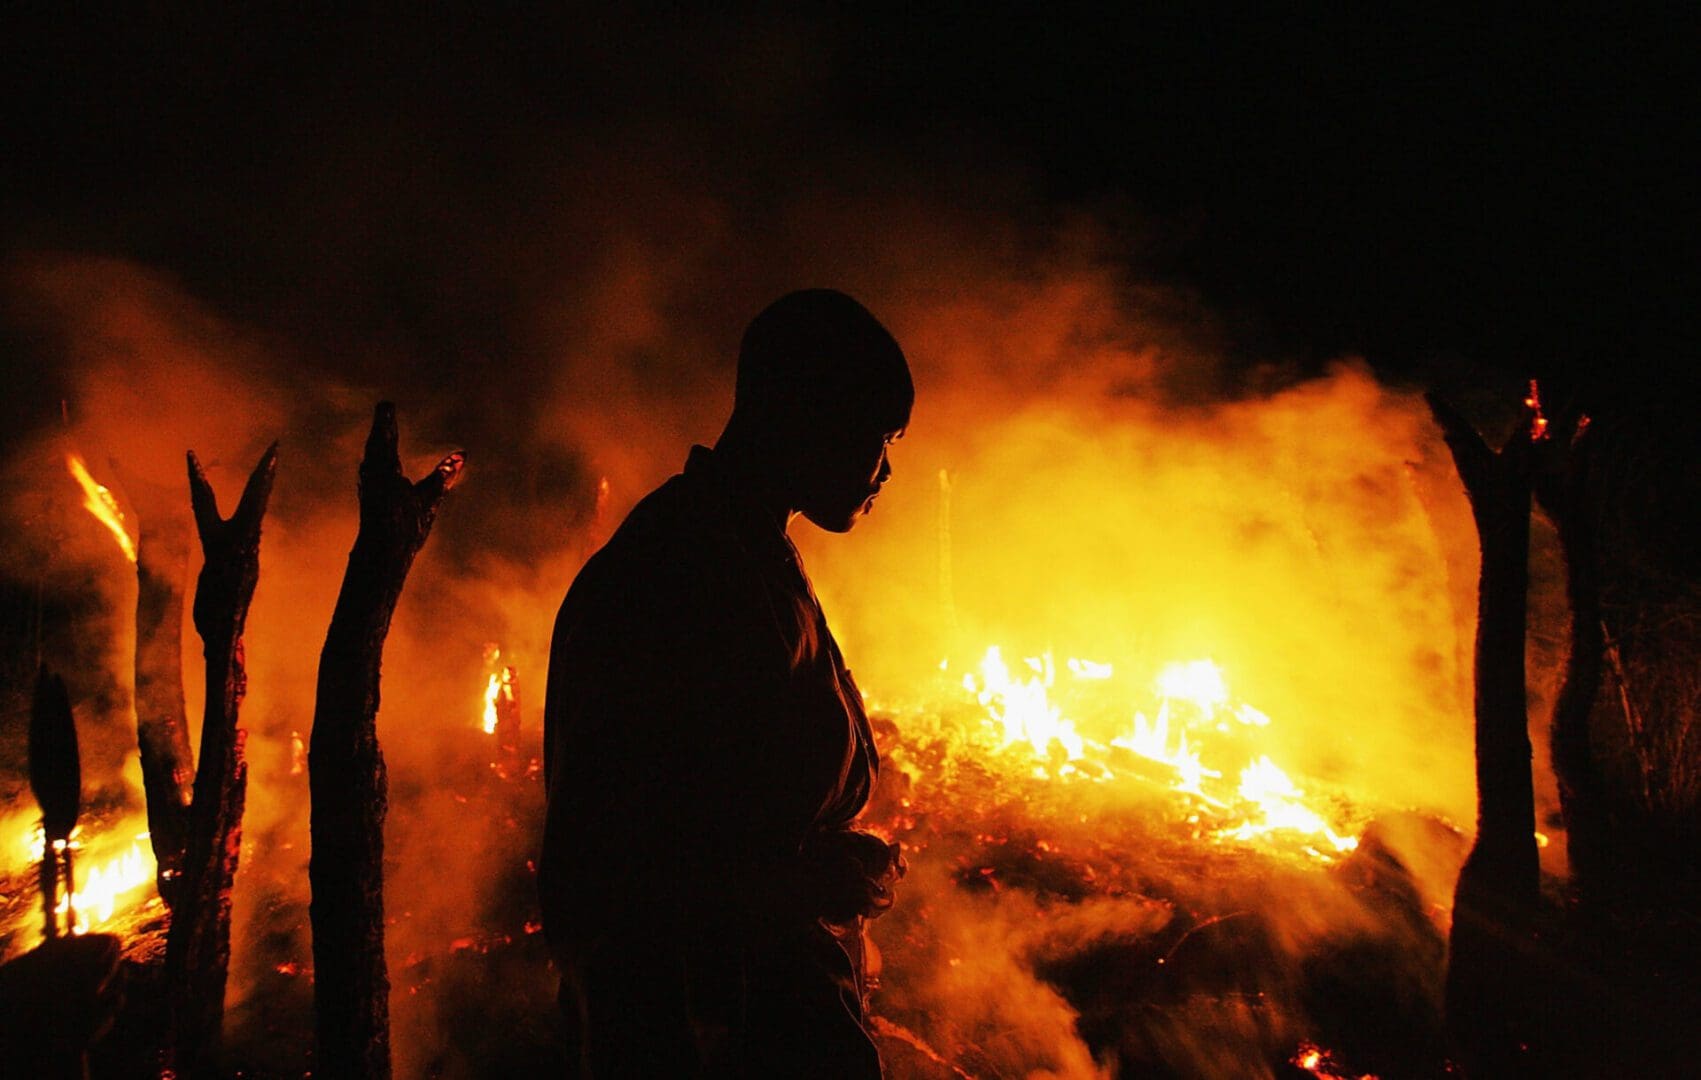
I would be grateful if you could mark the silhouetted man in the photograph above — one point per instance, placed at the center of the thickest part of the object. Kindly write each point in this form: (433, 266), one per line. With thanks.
(706, 748)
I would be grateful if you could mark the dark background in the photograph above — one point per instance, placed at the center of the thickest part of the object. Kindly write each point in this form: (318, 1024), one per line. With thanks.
(1423, 189)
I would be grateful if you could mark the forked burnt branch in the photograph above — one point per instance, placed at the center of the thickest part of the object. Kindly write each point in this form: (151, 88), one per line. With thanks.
(198, 945)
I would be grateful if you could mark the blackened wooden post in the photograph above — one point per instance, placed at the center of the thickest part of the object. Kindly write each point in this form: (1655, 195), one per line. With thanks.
(162, 726)
(198, 943)
(346, 775)
(56, 778)
(1494, 904)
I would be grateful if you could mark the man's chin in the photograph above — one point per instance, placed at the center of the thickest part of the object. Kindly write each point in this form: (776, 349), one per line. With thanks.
(838, 522)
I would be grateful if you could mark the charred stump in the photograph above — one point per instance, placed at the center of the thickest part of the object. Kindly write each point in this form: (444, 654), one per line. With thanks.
(1495, 901)
(56, 779)
(198, 943)
(346, 767)
(162, 725)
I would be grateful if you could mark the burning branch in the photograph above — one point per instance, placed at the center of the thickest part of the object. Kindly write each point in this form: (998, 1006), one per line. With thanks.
(1495, 900)
(346, 767)
(198, 946)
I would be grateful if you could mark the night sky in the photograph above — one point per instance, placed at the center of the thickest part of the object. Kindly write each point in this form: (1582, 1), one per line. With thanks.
(1438, 190)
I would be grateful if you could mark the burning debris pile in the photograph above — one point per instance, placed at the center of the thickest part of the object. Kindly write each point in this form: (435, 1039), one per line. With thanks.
(1150, 894)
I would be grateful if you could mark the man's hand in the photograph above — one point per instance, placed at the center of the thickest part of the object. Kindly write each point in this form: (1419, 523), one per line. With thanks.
(851, 874)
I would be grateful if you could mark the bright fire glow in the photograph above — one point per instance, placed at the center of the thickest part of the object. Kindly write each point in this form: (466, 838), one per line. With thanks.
(1197, 681)
(1022, 705)
(98, 501)
(1192, 715)
(109, 887)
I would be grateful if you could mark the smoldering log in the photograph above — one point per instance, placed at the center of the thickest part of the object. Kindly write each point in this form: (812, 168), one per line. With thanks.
(1495, 901)
(162, 726)
(198, 943)
(56, 779)
(346, 774)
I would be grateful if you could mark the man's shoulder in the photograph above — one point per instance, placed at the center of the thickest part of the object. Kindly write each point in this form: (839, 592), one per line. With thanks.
(670, 534)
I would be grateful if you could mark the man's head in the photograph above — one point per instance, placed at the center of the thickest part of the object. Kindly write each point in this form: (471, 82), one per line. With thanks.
(822, 389)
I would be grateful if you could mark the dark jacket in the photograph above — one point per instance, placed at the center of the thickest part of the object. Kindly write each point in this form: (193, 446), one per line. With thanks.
(701, 733)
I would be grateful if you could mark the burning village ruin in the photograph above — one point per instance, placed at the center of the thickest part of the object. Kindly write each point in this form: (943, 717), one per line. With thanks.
(1174, 699)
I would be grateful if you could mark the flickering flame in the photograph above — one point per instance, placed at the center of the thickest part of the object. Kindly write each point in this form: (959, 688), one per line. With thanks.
(1022, 705)
(498, 688)
(98, 501)
(1195, 708)
(1198, 681)
(109, 887)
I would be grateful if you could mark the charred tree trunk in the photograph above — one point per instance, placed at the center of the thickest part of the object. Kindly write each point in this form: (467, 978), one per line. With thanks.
(198, 944)
(162, 726)
(346, 767)
(1494, 904)
(1559, 490)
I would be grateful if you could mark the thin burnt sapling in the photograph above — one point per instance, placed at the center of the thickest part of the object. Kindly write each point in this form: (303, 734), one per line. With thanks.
(346, 766)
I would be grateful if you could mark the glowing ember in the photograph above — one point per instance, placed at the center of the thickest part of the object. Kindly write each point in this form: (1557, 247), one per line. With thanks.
(110, 887)
(1317, 1061)
(1538, 422)
(98, 501)
(1193, 716)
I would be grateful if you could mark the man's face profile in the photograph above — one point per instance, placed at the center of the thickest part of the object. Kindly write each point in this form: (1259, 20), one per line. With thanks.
(845, 473)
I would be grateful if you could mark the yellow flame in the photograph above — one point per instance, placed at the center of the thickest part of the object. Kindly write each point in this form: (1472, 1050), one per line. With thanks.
(1197, 681)
(1023, 707)
(1089, 669)
(498, 687)
(492, 691)
(98, 501)
(1194, 708)
(108, 886)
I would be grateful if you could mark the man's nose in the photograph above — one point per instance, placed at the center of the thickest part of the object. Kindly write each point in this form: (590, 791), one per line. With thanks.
(885, 469)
